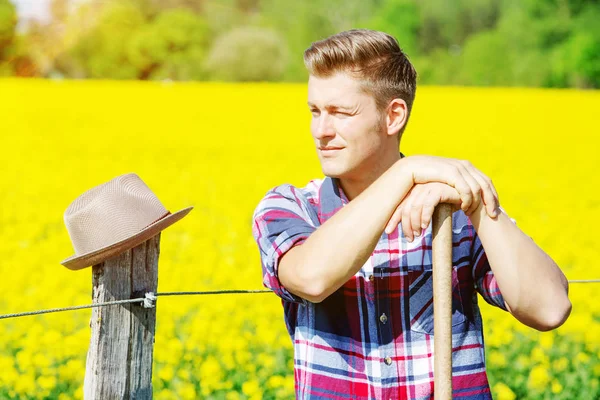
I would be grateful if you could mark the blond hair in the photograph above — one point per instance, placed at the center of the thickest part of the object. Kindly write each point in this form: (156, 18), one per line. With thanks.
(373, 57)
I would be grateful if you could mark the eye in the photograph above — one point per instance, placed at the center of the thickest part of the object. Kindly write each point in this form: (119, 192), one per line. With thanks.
(342, 113)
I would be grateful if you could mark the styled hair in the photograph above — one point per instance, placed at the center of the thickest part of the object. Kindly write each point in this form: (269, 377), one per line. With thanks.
(373, 57)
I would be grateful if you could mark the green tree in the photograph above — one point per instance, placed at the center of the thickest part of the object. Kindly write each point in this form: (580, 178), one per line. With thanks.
(102, 52)
(247, 54)
(172, 46)
(302, 22)
(8, 23)
(401, 19)
(445, 24)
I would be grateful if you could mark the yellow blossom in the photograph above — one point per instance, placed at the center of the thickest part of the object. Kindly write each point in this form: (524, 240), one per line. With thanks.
(556, 387)
(251, 388)
(560, 364)
(503, 392)
(538, 378)
(497, 359)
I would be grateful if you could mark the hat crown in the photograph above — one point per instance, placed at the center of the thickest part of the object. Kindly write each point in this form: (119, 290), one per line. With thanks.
(111, 212)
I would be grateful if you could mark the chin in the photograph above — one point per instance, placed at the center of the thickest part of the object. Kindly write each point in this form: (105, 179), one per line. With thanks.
(332, 170)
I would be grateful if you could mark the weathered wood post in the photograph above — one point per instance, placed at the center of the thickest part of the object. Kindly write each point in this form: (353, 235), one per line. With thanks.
(119, 359)
(442, 301)
(115, 228)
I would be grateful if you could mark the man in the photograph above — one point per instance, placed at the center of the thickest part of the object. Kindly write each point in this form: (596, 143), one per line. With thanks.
(356, 286)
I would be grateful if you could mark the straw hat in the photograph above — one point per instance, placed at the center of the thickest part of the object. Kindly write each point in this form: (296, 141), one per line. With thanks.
(112, 218)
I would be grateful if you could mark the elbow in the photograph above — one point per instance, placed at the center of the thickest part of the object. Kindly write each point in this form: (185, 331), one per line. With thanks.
(315, 292)
(307, 283)
(311, 287)
(556, 317)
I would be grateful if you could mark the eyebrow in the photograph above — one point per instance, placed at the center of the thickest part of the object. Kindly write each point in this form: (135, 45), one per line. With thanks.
(331, 106)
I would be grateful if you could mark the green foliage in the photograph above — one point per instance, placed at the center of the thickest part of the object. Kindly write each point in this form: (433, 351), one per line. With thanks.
(464, 42)
(401, 19)
(104, 54)
(173, 46)
(300, 23)
(8, 23)
(444, 23)
(247, 54)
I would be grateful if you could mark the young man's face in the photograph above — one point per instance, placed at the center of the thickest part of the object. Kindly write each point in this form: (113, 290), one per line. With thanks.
(348, 131)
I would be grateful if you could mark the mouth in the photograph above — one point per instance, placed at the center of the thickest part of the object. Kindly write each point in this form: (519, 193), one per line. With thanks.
(328, 151)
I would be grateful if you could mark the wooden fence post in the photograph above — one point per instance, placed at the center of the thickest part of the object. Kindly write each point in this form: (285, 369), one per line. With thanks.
(119, 359)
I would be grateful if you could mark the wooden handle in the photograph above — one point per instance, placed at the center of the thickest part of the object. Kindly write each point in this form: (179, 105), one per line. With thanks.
(442, 301)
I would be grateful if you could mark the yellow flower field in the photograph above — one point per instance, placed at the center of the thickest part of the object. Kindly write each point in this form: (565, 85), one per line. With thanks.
(220, 147)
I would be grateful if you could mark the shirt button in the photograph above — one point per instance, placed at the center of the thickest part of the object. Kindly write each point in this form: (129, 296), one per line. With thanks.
(388, 360)
(383, 318)
(371, 278)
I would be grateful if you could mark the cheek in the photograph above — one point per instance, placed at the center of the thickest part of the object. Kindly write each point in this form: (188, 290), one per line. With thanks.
(362, 137)
(313, 126)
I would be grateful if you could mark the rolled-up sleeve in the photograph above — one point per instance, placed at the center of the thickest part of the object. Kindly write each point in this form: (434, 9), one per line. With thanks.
(281, 221)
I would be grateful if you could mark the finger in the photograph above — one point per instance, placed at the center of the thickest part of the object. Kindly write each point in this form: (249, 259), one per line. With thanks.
(457, 181)
(394, 220)
(440, 193)
(449, 195)
(489, 195)
(405, 218)
(417, 211)
(468, 171)
(429, 207)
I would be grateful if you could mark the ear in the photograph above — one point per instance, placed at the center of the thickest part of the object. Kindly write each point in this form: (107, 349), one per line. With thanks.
(397, 114)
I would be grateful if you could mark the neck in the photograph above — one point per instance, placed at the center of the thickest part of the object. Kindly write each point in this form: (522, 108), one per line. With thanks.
(355, 185)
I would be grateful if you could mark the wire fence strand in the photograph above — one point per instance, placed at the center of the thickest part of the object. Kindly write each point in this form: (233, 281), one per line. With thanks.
(141, 300)
(148, 301)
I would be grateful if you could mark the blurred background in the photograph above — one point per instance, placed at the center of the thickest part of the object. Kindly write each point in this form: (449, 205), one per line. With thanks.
(539, 43)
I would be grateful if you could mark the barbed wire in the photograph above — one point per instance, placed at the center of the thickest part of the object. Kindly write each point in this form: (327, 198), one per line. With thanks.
(149, 300)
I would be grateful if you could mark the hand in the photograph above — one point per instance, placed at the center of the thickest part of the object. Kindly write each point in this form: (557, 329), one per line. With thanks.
(470, 183)
(416, 209)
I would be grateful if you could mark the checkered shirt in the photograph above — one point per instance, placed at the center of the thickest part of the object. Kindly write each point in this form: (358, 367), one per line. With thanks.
(373, 337)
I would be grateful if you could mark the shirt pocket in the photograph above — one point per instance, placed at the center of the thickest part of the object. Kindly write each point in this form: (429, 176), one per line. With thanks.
(420, 300)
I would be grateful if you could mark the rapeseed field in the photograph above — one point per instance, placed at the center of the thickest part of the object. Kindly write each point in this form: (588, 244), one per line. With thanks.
(220, 147)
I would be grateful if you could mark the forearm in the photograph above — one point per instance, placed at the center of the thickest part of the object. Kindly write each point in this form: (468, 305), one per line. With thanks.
(533, 286)
(339, 248)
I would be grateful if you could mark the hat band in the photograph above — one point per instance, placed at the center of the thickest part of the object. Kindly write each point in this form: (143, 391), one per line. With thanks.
(158, 219)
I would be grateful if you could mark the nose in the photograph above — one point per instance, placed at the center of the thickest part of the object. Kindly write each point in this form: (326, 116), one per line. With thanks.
(323, 126)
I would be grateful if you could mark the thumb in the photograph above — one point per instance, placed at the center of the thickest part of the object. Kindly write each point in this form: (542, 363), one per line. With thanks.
(450, 195)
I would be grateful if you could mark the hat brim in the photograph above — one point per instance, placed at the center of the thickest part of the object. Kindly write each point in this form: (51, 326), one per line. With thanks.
(97, 256)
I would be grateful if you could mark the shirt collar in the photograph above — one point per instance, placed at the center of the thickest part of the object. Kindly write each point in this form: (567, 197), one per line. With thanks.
(331, 198)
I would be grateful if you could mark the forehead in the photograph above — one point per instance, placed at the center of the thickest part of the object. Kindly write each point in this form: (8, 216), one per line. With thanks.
(339, 89)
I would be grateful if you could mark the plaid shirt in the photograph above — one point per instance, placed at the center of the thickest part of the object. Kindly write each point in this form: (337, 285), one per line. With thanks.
(373, 337)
